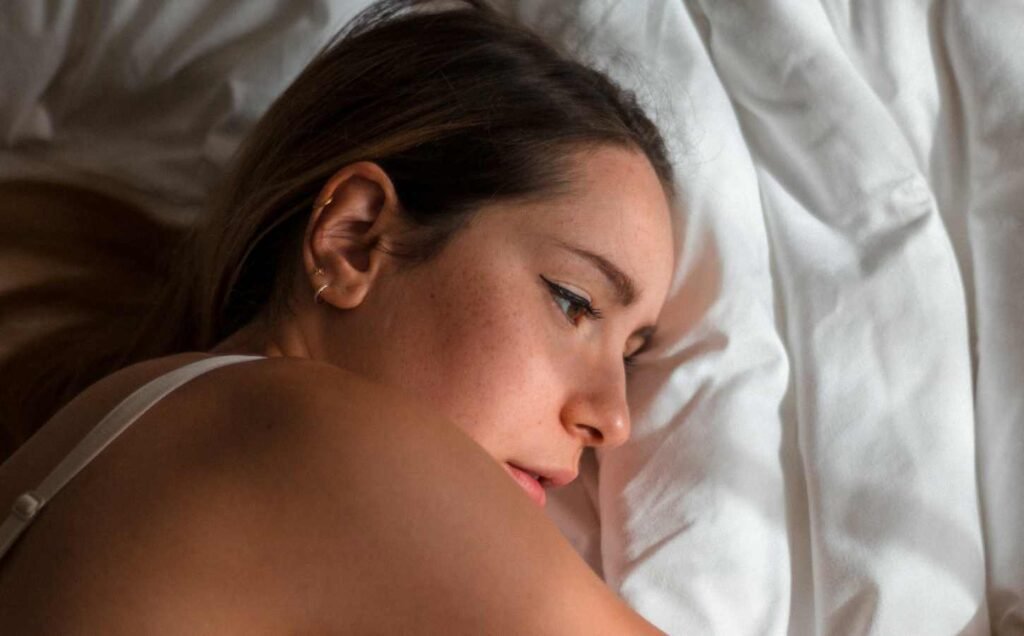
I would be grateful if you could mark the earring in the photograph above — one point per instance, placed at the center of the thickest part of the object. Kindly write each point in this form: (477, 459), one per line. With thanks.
(316, 297)
(319, 272)
(326, 202)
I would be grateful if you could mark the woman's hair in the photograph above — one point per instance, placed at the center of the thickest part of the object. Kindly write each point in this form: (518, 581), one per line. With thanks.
(459, 107)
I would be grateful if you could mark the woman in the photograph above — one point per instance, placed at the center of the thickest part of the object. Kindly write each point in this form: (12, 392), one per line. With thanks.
(438, 253)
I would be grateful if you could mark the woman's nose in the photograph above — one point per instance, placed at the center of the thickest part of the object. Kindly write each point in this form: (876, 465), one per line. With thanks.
(598, 413)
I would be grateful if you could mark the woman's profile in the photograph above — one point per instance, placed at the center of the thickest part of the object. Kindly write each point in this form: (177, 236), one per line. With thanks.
(409, 311)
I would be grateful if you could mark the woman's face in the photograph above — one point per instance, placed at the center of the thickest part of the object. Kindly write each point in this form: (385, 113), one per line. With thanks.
(519, 330)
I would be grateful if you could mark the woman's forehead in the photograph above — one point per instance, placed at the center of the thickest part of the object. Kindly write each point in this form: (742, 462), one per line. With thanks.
(615, 213)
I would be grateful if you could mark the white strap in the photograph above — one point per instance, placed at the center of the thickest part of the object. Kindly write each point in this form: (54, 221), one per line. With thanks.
(28, 505)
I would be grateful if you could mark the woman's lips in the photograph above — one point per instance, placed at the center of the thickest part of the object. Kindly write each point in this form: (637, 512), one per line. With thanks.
(529, 484)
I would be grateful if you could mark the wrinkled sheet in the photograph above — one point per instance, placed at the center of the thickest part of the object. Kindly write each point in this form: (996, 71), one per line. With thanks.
(829, 437)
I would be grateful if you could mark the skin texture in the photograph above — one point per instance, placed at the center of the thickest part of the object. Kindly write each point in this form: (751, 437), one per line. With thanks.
(354, 481)
(477, 331)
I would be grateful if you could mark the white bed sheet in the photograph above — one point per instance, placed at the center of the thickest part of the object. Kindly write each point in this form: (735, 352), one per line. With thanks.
(842, 373)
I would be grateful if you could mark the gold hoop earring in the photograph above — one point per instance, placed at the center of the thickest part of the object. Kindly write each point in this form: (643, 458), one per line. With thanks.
(326, 202)
(316, 297)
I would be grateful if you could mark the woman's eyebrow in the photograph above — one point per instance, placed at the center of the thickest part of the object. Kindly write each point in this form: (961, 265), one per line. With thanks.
(626, 291)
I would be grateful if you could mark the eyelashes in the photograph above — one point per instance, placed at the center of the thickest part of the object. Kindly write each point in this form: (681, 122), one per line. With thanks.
(574, 306)
(577, 308)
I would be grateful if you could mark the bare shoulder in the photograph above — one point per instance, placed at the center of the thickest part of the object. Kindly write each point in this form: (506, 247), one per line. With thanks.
(285, 495)
(424, 531)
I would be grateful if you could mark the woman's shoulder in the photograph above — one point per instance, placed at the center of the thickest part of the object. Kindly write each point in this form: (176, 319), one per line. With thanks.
(228, 480)
(299, 411)
(283, 494)
(303, 388)
(395, 520)
(404, 524)
(303, 408)
(271, 392)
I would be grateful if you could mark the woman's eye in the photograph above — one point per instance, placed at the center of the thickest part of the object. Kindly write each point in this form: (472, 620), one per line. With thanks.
(574, 306)
(574, 310)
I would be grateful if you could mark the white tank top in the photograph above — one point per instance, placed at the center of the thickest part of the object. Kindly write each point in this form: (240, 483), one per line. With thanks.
(28, 505)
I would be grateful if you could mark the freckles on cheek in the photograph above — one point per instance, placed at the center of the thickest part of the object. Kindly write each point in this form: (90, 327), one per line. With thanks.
(485, 360)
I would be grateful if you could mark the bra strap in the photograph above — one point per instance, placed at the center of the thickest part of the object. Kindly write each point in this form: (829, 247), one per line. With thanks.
(28, 505)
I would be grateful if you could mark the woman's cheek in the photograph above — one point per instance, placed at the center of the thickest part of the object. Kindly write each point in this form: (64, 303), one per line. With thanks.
(497, 382)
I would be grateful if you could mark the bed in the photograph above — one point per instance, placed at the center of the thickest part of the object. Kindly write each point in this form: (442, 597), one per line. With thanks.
(829, 438)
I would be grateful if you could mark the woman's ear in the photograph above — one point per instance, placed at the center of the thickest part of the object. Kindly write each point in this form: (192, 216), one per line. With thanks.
(355, 212)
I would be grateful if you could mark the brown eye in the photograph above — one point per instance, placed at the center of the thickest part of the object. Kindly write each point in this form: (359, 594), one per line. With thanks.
(574, 306)
(573, 310)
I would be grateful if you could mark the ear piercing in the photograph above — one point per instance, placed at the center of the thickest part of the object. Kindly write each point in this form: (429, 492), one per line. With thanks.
(323, 204)
(316, 297)
(319, 270)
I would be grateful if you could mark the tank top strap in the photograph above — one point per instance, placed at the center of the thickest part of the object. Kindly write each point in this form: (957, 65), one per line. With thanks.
(28, 505)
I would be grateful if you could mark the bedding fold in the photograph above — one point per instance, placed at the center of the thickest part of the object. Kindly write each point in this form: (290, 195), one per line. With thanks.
(876, 326)
(983, 55)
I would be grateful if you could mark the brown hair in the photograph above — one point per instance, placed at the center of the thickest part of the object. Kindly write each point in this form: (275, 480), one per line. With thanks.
(459, 107)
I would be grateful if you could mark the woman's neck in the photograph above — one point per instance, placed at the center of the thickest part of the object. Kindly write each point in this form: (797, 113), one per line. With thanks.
(284, 339)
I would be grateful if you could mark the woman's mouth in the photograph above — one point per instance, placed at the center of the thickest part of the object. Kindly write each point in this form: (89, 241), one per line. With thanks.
(529, 482)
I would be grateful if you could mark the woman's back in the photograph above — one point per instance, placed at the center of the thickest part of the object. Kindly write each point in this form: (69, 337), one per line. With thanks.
(248, 500)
